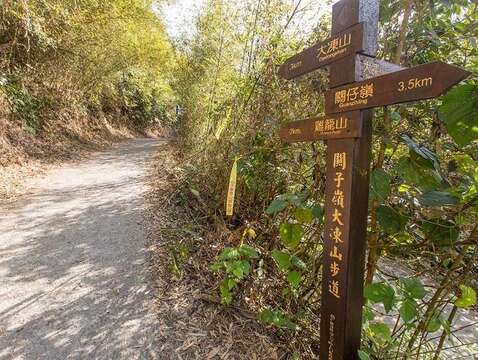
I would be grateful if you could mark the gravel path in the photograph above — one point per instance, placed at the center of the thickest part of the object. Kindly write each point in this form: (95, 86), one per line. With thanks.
(73, 280)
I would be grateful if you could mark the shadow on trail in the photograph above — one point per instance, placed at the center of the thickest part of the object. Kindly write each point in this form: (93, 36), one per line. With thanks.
(72, 263)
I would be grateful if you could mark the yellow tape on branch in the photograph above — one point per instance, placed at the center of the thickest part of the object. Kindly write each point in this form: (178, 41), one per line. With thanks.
(231, 193)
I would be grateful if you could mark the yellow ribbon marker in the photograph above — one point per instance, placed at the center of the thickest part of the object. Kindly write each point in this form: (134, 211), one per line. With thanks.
(231, 193)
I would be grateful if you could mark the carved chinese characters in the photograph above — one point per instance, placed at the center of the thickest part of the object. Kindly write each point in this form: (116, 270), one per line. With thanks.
(345, 125)
(343, 44)
(418, 83)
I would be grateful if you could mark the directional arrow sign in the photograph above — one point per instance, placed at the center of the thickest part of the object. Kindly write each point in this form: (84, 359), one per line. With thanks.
(341, 126)
(421, 82)
(337, 47)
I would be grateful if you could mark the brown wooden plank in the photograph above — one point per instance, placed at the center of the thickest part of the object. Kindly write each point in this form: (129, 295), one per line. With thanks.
(344, 244)
(341, 126)
(418, 83)
(337, 47)
(341, 318)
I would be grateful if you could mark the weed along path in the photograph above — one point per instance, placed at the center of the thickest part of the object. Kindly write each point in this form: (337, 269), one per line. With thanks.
(73, 279)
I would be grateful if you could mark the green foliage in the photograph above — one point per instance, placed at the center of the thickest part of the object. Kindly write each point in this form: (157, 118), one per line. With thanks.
(467, 297)
(75, 56)
(291, 234)
(381, 293)
(24, 105)
(424, 181)
(236, 264)
(458, 112)
(276, 318)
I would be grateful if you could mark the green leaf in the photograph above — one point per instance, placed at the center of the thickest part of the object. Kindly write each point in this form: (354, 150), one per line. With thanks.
(414, 288)
(434, 324)
(304, 215)
(424, 178)
(438, 198)
(318, 212)
(368, 314)
(294, 278)
(408, 310)
(282, 259)
(441, 232)
(277, 318)
(380, 293)
(291, 234)
(467, 297)
(248, 251)
(229, 253)
(240, 269)
(390, 220)
(276, 206)
(380, 185)
(380, 331)
(459, 113)
(225, 291)
(363, 355)
(216, 266)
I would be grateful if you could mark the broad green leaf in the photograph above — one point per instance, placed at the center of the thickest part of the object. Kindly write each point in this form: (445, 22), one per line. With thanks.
(467, 297)
(414, 288)
(229, 253)
(390, 220)
(304, 215)
(441, 232)
(318, 211)
(276, 206)
(363, 355)
(282, 259)
(379, 185)
(380, 331)
(291, 234)
(408, 310)
(423, 178)
(240, 269)
(438, 198)
(380, 293)
(434, 324)
(248, 251)
(294, 278)
(459, 113)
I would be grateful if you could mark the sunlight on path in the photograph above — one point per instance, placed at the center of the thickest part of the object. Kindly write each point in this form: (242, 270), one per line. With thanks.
(72, 263)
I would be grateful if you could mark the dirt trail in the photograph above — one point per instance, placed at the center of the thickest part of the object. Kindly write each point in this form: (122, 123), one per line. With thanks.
(73, 283)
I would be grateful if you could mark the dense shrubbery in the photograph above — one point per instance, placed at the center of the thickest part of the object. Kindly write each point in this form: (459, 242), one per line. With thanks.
(424, 188)
(89, 55)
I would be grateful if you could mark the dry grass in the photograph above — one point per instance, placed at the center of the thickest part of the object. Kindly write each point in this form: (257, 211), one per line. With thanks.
(194, 325)
(69, 137)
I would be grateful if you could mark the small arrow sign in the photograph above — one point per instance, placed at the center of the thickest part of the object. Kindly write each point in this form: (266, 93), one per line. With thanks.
(418, 83)
(341, 126)
(337, 47)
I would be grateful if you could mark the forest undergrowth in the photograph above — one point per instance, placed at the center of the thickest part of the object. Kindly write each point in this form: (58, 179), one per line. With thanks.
(75, 76)
(423, 209)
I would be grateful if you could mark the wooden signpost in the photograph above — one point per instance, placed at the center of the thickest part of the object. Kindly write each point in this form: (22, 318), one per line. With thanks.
(418, 83)
(358, 83)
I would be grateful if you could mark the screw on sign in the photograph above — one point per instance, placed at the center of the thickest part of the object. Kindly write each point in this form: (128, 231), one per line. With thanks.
(358, 83)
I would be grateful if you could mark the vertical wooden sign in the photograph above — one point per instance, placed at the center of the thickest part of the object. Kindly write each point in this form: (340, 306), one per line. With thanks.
(346, 201)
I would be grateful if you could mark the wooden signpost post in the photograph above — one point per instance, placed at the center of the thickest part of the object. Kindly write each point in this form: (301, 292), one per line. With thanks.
(358, 83)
